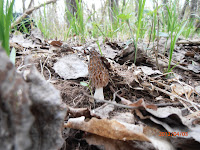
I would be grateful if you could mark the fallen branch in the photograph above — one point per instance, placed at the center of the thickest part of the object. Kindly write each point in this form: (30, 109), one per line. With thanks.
(188, 42)
(29, 11)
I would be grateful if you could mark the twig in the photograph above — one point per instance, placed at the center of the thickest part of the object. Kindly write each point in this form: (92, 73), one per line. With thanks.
(150, 34)
(81, 99)
(162, 75)
(168, 104)
(123, 100)
(159, 83)
(100, 31)
(187, 95)
(49, 73)
(23, 66)
(110, 102)
(170, 93)
(178, 97)
(188, 42)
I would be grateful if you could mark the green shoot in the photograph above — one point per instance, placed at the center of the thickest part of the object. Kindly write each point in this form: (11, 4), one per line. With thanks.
(5, 23)
(99, 48)
(174, 29)
(87, 85)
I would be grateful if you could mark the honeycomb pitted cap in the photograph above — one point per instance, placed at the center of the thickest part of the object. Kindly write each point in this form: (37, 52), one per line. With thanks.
(98, 73)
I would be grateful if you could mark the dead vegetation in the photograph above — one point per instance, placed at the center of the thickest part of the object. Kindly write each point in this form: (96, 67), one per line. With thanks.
(144, 108)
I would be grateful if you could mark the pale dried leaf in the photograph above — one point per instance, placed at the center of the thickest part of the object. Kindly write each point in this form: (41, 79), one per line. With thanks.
(149, 71)
(108, 128)
(71, 67)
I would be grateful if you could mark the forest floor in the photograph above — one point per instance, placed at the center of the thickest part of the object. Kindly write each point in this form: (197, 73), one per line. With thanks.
(163, 108)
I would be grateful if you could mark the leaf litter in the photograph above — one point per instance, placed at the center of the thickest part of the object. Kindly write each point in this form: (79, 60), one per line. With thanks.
(143, 106)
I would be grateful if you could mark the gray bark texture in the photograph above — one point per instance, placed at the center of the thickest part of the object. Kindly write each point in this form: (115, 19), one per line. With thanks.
(113, 8)
(71, 9)
(186, 3)
(193, 9)
(71, 6)
(31, 110)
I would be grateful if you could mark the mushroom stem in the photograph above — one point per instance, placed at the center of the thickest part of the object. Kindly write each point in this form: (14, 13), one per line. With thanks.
(98, 94)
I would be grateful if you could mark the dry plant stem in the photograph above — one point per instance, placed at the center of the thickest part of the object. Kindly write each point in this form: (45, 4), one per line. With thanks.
(29, 6)
(188, 108)
(75, 99)
(159, 83)
(164, 74)
(104, 11)
(178, 97)
(80, 100)
(49, 73)
(23, 66)
(169, 104)
(42, 69)
(150, 34)
(156, 51)
(188, 42)
(110, 102)
(29, 11)
(130, 107)
(115, 94)
(187, 95)
(180, 100)
(101, 31)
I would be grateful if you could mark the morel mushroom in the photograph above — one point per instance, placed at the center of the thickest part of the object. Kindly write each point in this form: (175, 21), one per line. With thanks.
(98, 74)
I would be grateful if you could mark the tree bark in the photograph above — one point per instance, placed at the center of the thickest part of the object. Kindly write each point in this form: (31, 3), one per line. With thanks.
(71, 9)
(31, 4)
(193, 9)
(113, 9)
(183, 9)
(23, 5)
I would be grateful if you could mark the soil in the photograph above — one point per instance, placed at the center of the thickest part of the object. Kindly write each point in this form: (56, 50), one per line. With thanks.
(72, 92)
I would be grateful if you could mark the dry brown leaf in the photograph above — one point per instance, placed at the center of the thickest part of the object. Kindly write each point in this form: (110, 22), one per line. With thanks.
(56, 43)
(108, 128)
(180, 90)
(141, 103)
(77, 112)
(110, 144)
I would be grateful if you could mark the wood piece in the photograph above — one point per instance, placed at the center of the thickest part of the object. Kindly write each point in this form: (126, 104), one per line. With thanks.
(189, 42)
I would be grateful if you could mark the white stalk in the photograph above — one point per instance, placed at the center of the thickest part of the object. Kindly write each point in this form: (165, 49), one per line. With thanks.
(98, 94)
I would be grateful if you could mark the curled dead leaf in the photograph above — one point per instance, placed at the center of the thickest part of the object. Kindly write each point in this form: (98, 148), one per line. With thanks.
(108, 128)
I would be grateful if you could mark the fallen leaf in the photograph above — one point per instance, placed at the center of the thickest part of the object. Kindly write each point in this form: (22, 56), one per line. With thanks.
(149, 71)
(108, 128)
(56, 43)
(71, 67)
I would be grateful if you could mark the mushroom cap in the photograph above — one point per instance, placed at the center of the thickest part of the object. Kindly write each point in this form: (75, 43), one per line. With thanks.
(98, 73)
